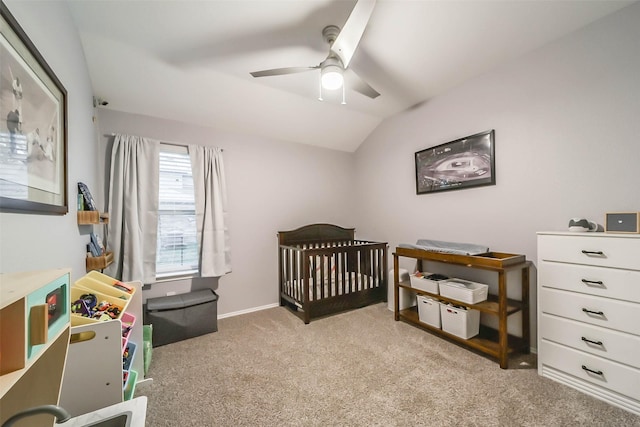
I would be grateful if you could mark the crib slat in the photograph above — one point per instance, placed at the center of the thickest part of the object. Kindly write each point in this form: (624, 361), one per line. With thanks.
(312, 276)
(283, 268)
(335, 273)
(296, 275)
(286, 273)
(304, 278)
(367, 270)
(293, 260)
(376, 272)
(323, 263)
(300, 274)
(343, 269)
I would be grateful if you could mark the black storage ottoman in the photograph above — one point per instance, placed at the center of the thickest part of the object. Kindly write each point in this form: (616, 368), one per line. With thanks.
(178, 317)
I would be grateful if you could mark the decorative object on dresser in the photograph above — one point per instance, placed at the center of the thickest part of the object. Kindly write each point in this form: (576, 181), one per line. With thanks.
(324, 269)
(460, 317)
(622, 222)
(589, 314)
(582, 224)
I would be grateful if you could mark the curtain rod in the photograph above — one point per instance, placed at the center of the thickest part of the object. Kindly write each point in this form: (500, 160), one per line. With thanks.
(179, 144)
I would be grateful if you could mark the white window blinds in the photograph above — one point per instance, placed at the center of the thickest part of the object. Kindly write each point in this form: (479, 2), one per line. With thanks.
(177, 252)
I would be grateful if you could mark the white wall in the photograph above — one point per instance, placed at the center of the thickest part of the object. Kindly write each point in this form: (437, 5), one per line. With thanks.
(271, 186)
(567, 128)
(567, 145)
(36, 242)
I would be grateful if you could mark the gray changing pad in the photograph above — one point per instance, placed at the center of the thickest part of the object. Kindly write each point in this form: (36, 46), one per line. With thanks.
(447, 247)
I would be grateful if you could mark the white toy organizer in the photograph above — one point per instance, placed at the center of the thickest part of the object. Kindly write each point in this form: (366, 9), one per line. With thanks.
(93, 376)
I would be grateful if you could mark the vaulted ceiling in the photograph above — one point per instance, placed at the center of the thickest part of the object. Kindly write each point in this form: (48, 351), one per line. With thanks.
(190, 60)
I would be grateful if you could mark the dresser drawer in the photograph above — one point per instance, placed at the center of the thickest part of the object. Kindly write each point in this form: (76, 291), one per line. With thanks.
(591, 249)
(605, 373)
(619, 315)
(617, 346)
(606, 282)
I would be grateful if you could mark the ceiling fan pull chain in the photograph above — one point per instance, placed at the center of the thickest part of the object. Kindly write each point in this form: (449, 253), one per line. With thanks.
(344, 101)
(320, 87)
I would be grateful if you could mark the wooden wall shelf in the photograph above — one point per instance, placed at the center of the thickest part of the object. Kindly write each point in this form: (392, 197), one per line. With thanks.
(92, 217)
(99, 262)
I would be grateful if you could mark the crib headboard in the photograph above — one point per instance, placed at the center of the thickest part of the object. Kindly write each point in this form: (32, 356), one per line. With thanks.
(315, 233)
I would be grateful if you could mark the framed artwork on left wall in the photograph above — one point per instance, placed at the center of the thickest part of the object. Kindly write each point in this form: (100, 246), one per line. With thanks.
(33, 126)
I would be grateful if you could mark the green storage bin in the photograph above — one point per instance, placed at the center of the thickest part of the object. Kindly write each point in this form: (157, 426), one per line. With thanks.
(130, 388)
(147, 346)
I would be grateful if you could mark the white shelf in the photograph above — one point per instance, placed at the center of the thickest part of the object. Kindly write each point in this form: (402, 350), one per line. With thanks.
(27, 361)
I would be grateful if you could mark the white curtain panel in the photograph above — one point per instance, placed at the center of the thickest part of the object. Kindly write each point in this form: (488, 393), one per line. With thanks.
(211, 210)
(133, 208)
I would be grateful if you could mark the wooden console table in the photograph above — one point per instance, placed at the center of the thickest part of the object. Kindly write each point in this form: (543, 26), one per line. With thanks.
(498, 344)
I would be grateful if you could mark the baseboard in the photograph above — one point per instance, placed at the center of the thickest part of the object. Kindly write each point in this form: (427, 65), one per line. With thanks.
(249, 310)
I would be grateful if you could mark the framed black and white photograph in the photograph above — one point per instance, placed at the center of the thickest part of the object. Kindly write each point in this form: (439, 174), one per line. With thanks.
(463, 163)
(33, 126)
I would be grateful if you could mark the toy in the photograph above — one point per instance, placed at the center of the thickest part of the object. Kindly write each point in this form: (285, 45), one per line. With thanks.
(88, 306)
(123, 287)
(90, 300)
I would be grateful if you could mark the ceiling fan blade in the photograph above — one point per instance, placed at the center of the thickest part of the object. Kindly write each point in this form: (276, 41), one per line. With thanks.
(356, 83)
(347, 41)
(282, 71)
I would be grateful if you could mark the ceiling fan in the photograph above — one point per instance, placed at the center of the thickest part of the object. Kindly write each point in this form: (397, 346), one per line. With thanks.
(342, 46)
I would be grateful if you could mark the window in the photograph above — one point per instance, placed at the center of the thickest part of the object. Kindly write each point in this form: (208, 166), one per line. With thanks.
(177, 251)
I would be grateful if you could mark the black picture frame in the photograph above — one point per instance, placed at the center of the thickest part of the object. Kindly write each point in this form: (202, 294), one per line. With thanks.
(464, 163)
(33, 126)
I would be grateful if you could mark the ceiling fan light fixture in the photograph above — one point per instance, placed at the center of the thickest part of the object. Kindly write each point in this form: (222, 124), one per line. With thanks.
(331, 77)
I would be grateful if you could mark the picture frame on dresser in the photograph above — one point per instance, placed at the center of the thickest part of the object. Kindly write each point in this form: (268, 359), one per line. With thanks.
(463, 163)
(33, 130)
(622, 222)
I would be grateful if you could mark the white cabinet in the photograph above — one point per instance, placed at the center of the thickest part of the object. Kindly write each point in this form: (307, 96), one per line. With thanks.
(589, 314)
(95, 357)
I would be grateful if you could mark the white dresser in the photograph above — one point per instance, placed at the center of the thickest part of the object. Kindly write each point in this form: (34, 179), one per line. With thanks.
(589, 314)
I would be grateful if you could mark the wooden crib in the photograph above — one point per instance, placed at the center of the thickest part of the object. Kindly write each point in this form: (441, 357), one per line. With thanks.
(323, 270)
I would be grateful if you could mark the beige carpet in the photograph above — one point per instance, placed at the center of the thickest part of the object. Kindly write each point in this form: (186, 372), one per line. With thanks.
(359, 368)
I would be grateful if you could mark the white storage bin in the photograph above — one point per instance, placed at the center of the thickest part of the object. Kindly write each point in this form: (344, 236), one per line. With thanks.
(460, 321)
(464, 290)
(429, 311)
(424, 284)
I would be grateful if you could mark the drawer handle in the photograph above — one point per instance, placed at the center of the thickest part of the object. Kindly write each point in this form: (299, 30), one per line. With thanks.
(592, 371)
(592, 282)
(599, 253)
(591, 342)
(598, 313)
